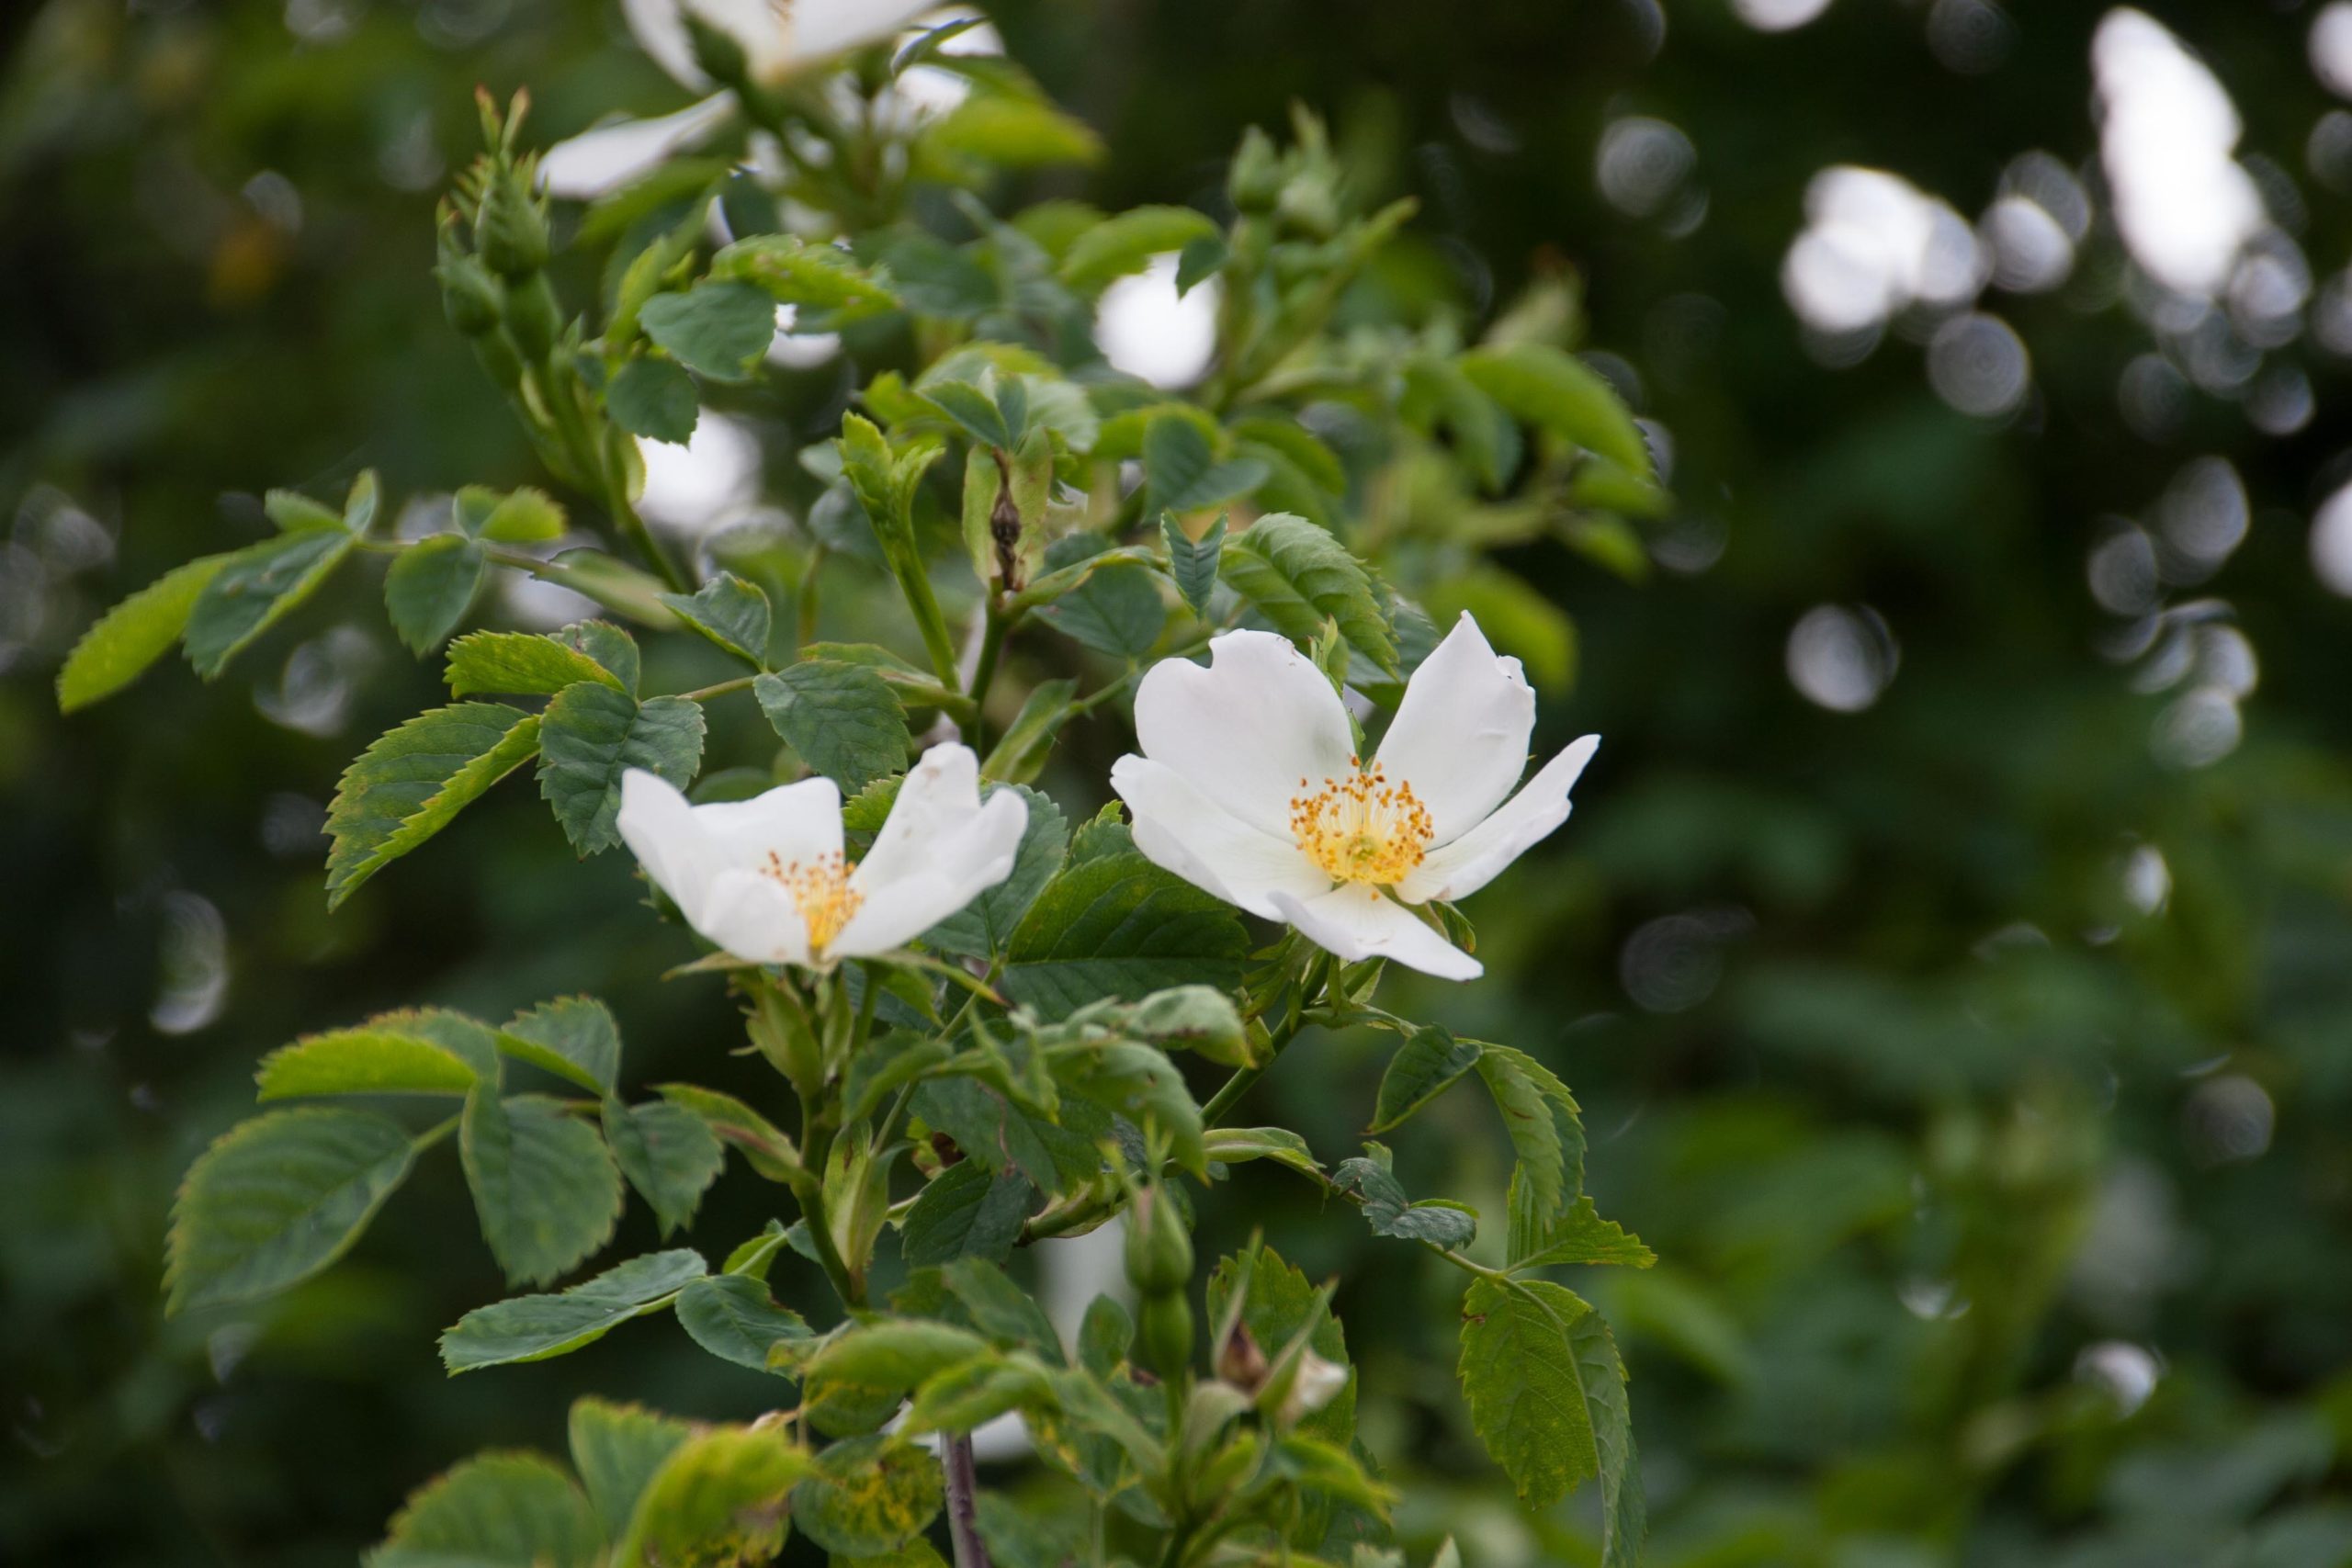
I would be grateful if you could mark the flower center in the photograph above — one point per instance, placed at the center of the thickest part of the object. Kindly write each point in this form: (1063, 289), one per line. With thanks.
(1361, 828)
(822, 890)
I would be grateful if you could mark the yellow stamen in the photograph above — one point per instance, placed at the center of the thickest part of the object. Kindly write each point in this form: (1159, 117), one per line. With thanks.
(822, 890)
(1361, 828)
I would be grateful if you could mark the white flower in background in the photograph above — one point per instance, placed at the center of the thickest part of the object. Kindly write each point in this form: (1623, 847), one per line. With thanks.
(1249, 787)
(767, 879)
(1316, 1383)
(780, 39)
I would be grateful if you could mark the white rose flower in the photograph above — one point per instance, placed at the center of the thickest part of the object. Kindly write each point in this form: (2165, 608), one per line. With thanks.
(1249, 787)
(767, 879)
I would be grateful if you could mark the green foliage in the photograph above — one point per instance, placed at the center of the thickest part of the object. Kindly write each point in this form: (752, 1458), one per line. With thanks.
(503, 1510)
(429, 586)
(276, 1199)
(982, 928)
(524, 516)
(734, 1318)
(254, 588)
(1581, 1235)
(668, 1153)
(867, 1495)
(545, 1188)
(1544, 1122)
(716, 329)
(1118, 926)
(371, 1059)
(843, 719)
(763, 1145)
(123, 642)
(533, 1328)
(1298, 576)
(572, 1037)
(519, 662)
(616, 1449)
(1561, 395)
(1192, 563)
(1182, 472)
(1429, 1062)
(966, 1210)
(1123, 244)
(719, 1496)
(656, 399)
(729, 612)
(1390, 1212)
(591, 735)
(414, 780)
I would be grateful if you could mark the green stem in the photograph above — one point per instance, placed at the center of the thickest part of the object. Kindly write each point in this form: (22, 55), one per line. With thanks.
(817, 1144)
(984, 672)
(635, 529)
(704, 694)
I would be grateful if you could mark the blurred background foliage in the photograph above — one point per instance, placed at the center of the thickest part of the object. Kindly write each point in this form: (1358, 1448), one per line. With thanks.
(1951, 950)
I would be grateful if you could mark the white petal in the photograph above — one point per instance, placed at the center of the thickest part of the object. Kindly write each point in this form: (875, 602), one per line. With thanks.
(660, 31)
(799, 824)
(1181, 830)
(755, 917)
(604, 159)
(1460, 736)
(1356, 922)
(1477, 857)
(1247, 726)
(824, 28)
(958, 861)
(940, 793)
(668, 839)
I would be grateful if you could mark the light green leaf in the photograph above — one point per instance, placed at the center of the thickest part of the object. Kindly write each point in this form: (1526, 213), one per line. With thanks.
(1118, 926)
(966, 1210)
(429, 586)
(1232, 1146)
(276, 1199)
(572, 1037)
(1104, 1335)
(533, 1328)
(984, 926)
(1581, 1235)
(415, 780)
(295, 512)
(1424, 1067)
(717, 328)
(887, 1065)
(734, 1318)
(499, 1510)
(125, 641)
(1008, 132)
(729, 612)
(1298, 576)
(1557, 392)
(1181, 473)
(891, 1353)
(371, 1059)
(976, 1391)
(867, 1495)
(978, 413)
(546, 1190)
(669, 1155)
(765, 1146)
(843, 719)
(1200, 260)
(593, 734)
(823, 281)
(655, 399)
(719, 1497)
(1126, 241)
(521, 663)
(616, 1449)
(525, 517)
(254, 588)
(1193, 563)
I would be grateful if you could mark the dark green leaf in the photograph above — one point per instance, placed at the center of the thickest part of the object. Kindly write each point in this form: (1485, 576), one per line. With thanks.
(276, 1199)
(1200, 260)
(414, 780)
(1424, 1067)
(1020, 754)
(1127, 242)
(1389, 1212)
(668, 1153)
(1181, 473)
(1119, 926)
(1298, 576)
(1105, 1334)
(607, 644)
(572, 1037)
(729, 612)
(428, 587)
(592, 735)
(966, 1210)
(1556, 392)
(1129, 1078)
(1544, 1123)
(1117, 610)
(533, 1328)
(616, 1449)
(545, 1188)
(656, 399)
(1581, 1235)
(974, 411)
(717, 329)
(1000, 1309)
(734, 1318)
(843, 719)
(1193, 563)
(254, 588)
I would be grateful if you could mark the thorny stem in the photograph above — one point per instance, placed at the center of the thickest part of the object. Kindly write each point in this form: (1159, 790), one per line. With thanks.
(963, 1508)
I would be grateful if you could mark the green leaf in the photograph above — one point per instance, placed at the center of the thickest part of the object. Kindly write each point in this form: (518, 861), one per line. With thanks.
(981, 927)
(616, 1449)
(524, 516)
(1119, 926)
(607, 644)
(868, 1495)
(1556, 392)
(572, 1037)
(1193, 563)
(1390, 1212)
(734, 1318)
(371, 1059)
(1278, 1304)
(966, 1210)
(415, 780)
(1181, 473)
(975, 1393)
(593, 734)
(1424, 1067)
(1126, 241)
(121, 643)
(815, 277)
(1004, 1136)
(1200, 260)
(1232, 1146)
(522, 663)
(1117, 610)
(1019, 755)
(255, 588)
(1542, 1118)
(534, 1328)
(669, 1155)
(729, 612)
(276, 1199)
(891, 1353)
(717, 329)
(428, 587)
(1298, 576)
(1137, 1081)
(978, 413)
(1000, 1309)
(843, 720)
(655, 399)
(546, 1190)
(295, 512)
(884, 1068)
(1008, 132)
(1104, 1334)
(500, 1511)
(1547, 1397)
(1581, 1235)
(766, 1147)
(719, 1497)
